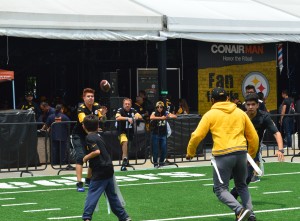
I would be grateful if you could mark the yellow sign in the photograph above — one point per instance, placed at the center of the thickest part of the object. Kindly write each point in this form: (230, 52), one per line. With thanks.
(234, 79)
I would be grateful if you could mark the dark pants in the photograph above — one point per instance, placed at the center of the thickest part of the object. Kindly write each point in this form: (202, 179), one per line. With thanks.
(288, 127)
(58, 152)
(96, 188)
(234, 191)
(298, 129)
(78, 143)
(159, 141)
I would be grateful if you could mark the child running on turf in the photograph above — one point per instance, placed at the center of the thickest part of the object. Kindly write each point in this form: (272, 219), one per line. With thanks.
(102, 172)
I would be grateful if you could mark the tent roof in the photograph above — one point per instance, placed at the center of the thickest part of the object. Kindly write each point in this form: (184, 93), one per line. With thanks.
(245, 21)
(77, 19)
(229, 16)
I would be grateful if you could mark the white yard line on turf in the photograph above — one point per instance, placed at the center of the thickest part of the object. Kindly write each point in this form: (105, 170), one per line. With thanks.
(41, 210)
(166, 182)
(224, 214)
(66, 217)
(19, 204)
(7, 198)
(287, 191)
(129, 184)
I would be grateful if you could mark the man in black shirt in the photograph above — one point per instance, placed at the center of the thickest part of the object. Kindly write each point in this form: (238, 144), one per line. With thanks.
(261, 121)
(89, 106)
(286, 122)
(102, 172)
(29, 104)
(125, 117)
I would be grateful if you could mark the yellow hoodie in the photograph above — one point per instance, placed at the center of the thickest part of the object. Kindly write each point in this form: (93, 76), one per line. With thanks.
(230, 127)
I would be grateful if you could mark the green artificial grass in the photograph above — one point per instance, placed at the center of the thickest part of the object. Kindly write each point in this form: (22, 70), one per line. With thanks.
(161, 194)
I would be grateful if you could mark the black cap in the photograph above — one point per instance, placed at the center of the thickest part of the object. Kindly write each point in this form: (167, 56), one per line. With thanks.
(218, 93)
(28, 93)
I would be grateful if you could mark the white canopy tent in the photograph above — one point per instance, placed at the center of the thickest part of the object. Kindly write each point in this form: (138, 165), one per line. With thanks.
(231, 21)
(115, 20)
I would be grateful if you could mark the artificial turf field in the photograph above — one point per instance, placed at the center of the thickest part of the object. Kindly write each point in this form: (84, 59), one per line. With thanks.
(183, 193)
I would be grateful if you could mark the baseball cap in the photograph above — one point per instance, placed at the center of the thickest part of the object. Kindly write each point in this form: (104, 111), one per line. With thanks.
(28, 93)
(218, 92)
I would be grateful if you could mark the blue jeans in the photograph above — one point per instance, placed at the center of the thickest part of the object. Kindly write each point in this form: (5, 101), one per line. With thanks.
(96, 188)
(288, 127)
(159, 141)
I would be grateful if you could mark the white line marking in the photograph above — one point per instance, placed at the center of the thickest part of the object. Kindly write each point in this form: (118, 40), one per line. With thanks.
(286, 191)
(280, 174)
(40, 210)
(66, 217)
(137, 184)
(129, 184)
(7, 198)
(224, 214)
(34, 191)
(167, 182)
(19, 204)
(208, 184)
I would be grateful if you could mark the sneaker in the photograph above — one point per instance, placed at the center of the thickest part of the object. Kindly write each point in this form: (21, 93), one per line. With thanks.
(243, 215)
(255, 179)
(127, 219)
(252, 218)
(80, 187)
(87, 182)
(155, 165)
(161, 164)
(123, 168)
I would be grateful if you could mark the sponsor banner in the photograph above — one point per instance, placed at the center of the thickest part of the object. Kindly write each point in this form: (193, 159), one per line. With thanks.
(6, 75)
(233, 67)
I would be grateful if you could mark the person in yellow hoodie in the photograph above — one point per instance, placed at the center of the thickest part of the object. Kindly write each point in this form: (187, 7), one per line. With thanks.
(233, 135)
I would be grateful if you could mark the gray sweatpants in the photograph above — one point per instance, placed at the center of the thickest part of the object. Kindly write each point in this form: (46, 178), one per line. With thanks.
(232, 165)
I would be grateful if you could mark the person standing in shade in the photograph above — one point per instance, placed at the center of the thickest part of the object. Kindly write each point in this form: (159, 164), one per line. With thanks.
(286, 122)
(125, 117)
(159, 133)
(297, 108)
(183, 107)
(102, 179)
(29, 104)
(231, 131)
(59, 135)
(47, 110)
(88, 107)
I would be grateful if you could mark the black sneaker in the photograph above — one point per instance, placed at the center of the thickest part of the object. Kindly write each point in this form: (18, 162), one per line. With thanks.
(80, 187)
(252, 218)
(123, 168)
(87, 182)
(243, 215)
(161, 164)
(155, 165)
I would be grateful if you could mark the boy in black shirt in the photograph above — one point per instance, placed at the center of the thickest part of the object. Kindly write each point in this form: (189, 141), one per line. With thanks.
(102, 172)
